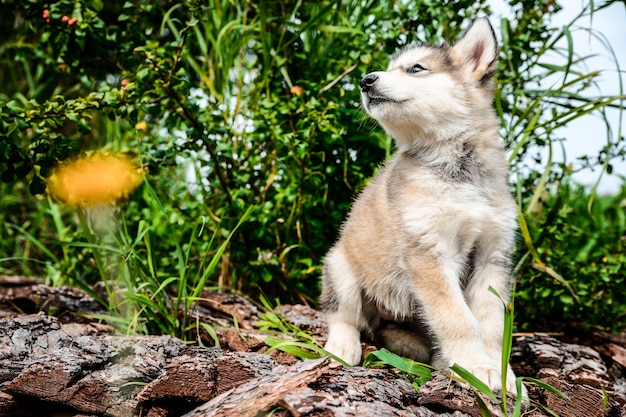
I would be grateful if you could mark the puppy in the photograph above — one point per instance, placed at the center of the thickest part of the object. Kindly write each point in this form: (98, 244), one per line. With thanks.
(434, 230)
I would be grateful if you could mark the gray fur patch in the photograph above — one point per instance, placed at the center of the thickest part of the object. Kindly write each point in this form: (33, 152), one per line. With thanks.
(328, 299)
(463, 168)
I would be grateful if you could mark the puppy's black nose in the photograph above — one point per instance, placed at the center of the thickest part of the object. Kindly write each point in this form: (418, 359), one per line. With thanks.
(368, 81)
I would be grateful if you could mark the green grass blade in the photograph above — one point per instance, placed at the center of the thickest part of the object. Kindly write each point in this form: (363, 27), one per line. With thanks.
(218, 255)
(545, 386)
(484, 410)
(545, 176)
(411, 367)
(474, 382)
(32, 239)
(303, 350)
(519, 399)
(528, 240)
(211, 331)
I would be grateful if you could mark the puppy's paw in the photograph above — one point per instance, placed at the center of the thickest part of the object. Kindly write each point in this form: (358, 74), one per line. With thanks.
(344, 341)
(488, 374)
(349, 352)
(492, 377)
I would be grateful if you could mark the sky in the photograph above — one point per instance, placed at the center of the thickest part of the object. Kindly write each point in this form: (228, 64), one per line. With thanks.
(587, 134)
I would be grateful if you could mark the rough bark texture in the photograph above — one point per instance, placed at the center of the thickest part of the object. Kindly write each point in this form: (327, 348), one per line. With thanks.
(57, 362)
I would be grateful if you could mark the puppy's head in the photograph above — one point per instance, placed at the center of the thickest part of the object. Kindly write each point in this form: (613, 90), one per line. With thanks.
(433, 92)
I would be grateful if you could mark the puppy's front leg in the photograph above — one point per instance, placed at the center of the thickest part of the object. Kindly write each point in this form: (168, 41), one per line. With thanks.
(344, 339)
(491, 269)
(342, 301)
(435, 276)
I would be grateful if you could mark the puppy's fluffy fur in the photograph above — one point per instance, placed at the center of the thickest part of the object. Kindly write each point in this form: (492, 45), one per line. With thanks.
(433, 231)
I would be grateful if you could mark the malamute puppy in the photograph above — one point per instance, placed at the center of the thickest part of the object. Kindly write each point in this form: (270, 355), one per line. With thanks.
(433, 230)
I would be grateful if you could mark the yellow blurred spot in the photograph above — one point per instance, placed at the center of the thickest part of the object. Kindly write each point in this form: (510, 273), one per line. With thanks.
(570, 167)
(95, 179)
(605, 259)
(143, 126)
(297, 90)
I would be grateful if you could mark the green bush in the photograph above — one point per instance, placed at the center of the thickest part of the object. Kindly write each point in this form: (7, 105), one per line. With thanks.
(582, 264)
(229, 105)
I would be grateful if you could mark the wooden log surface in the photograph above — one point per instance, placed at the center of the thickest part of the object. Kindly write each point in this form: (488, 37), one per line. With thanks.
(69, 365)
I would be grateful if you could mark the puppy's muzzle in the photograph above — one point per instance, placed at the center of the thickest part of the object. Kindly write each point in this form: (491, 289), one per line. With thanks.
(368, 82)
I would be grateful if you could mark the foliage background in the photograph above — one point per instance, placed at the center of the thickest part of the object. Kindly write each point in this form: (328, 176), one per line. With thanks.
(232, 104)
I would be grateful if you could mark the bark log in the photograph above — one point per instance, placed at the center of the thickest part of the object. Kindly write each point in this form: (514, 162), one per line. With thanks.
(576, 370)
(317, 388)
(76, 367)
(20, 295)
(92, 371)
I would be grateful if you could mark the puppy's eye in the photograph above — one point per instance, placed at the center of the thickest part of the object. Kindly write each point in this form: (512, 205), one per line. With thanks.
(415, 69)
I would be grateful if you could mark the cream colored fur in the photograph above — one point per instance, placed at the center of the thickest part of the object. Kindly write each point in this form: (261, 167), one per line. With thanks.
(433, 231)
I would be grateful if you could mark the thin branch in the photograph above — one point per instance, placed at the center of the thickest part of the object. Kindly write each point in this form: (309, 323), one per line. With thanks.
(339, 78)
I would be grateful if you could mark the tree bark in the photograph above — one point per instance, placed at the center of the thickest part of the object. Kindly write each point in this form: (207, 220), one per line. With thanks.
(77, 367)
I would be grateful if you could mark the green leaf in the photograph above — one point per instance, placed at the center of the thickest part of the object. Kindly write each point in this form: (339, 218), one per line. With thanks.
(84, 126)
(46, 168)
(14, 106)
(37, 186)
(97, 5)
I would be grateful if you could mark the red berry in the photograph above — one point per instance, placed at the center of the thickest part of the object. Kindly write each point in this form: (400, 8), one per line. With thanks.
(72, 21)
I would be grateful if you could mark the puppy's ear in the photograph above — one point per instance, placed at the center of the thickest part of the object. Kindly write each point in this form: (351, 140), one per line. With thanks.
(477, 50)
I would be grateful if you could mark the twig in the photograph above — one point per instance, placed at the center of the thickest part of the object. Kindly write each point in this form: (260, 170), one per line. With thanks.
(339, 78)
